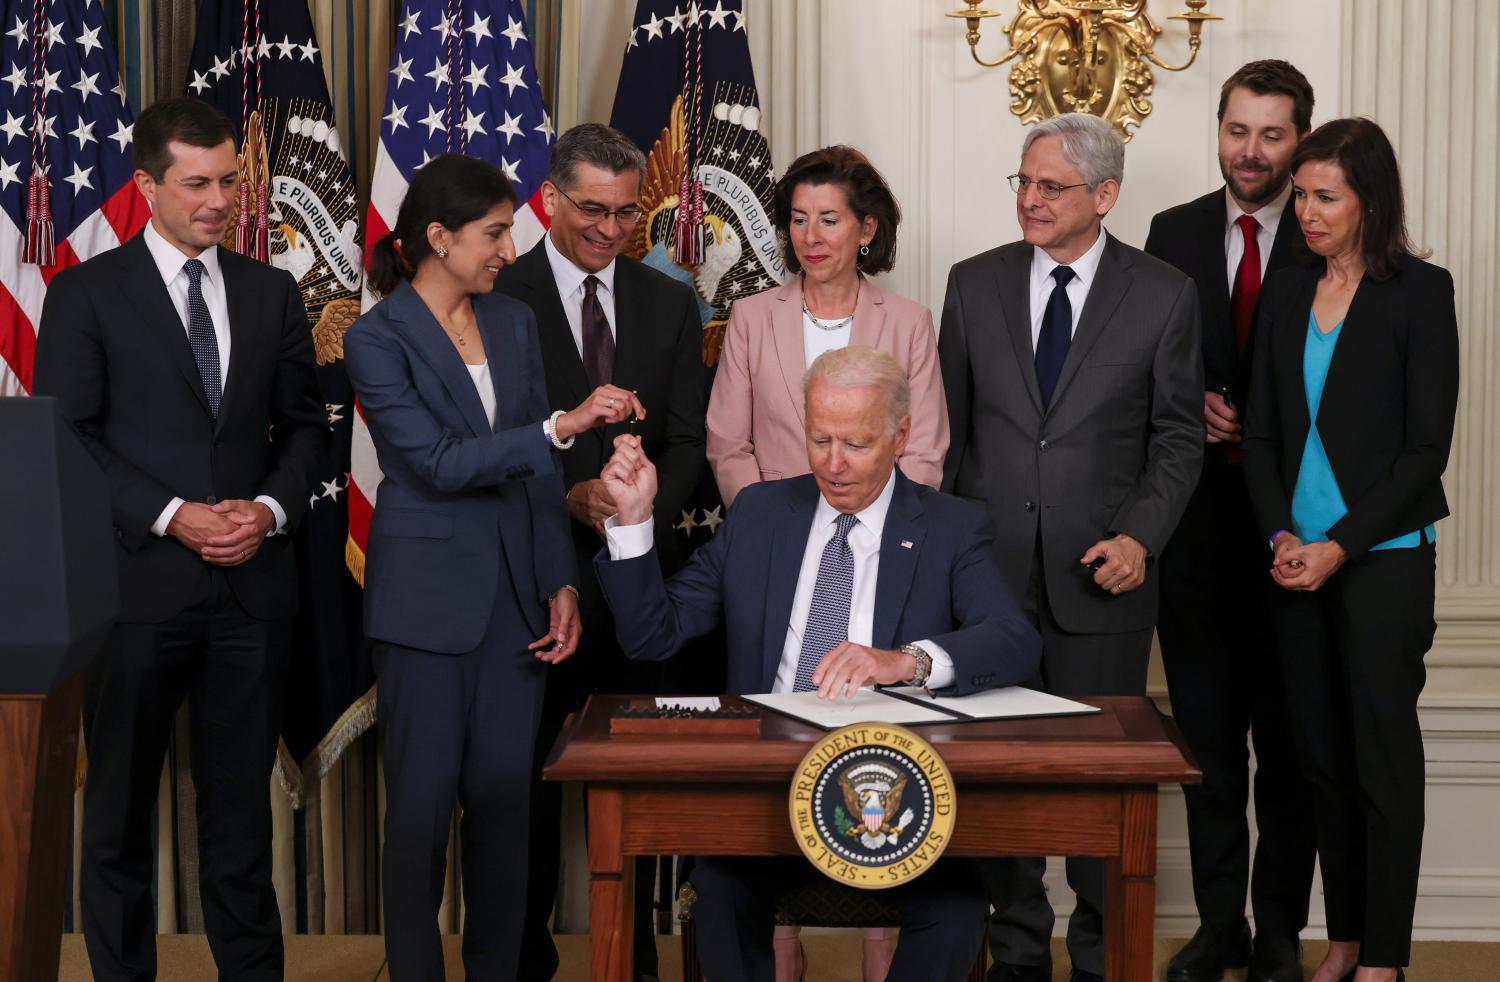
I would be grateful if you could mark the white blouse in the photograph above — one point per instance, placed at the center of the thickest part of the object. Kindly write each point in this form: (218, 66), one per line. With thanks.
(816, 339)
(481, 375)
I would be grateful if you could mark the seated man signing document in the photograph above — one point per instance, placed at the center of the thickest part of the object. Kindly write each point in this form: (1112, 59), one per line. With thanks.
(848, 577)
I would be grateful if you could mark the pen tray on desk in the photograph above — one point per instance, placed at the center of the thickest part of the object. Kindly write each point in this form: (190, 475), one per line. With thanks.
(647, 720)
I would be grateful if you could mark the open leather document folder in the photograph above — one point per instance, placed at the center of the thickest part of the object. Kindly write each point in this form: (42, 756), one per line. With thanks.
(908, 706)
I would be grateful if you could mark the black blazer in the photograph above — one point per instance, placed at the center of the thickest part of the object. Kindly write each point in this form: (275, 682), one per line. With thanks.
(1191, 237)
(113, 350)
(658, 353)
(1386, 416)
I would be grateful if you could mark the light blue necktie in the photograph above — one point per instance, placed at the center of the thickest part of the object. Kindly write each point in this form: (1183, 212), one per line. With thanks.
(201, 337)
(828, 617)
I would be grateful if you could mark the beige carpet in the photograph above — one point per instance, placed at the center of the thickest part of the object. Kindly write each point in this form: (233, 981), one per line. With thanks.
(832, 958)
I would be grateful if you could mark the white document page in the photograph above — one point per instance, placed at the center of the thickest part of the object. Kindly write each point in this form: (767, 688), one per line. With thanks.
(1013, 702)
(867, 706)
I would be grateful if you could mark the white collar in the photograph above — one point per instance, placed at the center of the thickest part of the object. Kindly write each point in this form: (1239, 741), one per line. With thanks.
(1267, 215)
(872, 518)
(1084, 267)
(169, 259)
(569, 277)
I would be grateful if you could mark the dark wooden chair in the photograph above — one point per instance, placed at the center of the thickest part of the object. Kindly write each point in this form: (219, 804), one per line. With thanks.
(818, 904)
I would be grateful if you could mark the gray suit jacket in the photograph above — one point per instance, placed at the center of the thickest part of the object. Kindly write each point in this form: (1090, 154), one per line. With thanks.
(1119, 448)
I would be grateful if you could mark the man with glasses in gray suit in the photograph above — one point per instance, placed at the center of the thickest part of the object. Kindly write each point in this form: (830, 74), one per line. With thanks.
(1074, 384)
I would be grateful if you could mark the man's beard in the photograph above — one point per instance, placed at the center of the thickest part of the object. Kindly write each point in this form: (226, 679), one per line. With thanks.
(1262, 192)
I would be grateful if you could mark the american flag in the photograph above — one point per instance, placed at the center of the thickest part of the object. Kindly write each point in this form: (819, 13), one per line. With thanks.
(65, 161)
(462, 80)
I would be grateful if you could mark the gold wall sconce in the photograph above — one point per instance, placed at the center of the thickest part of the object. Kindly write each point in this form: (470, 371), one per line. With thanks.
(1091, 56)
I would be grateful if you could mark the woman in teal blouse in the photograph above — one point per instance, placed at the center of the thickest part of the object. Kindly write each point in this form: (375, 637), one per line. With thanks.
(1354, 389)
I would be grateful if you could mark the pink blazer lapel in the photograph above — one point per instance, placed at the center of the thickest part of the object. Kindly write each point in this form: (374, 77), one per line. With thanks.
(786, 338)
(869, 316)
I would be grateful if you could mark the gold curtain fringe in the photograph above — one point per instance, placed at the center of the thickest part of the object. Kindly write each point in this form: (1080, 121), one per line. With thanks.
(353, 724)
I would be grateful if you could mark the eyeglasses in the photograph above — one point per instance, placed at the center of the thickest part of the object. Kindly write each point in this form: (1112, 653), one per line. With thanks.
(594, 212)
(1048, 189)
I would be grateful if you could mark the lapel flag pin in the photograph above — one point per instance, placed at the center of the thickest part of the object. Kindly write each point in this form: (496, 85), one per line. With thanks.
(906, 543)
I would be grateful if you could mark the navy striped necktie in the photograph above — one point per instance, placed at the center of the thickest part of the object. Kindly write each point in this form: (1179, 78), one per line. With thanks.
(201, 337)
(828, 616)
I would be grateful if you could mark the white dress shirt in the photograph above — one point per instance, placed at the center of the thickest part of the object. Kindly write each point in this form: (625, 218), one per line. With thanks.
(1268, 216)
(1085, 267)
(569, 279)
(817, 340)
(630, 541)
(170, 262)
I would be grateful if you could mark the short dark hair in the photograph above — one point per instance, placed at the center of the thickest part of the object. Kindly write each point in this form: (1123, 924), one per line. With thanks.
(452, 190)
(1272, 76)
(865, 189)
(180, 120)
(597, 144)
(1363, 152)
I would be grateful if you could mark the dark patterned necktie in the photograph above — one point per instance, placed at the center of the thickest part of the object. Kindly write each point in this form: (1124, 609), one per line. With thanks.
(1056, 335)
(828, 616)
(598, 343)
(201, 337)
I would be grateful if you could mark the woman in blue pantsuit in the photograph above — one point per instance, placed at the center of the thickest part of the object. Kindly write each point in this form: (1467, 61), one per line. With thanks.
(469, 572)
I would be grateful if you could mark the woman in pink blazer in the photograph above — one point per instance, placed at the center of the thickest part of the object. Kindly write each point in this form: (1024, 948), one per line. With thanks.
(837, 220)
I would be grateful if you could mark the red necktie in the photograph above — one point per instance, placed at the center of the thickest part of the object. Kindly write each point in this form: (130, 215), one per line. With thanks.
(1246, 282)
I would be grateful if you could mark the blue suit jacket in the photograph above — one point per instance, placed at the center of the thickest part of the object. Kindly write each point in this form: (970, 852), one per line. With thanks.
(460, 505)
(945, 587)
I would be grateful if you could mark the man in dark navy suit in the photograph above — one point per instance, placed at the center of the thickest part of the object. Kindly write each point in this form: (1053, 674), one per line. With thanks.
(847, 577)
(1215, 618)
(188, 371)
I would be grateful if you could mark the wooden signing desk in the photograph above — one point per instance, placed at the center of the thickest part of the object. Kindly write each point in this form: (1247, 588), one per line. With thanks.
(1069, 786)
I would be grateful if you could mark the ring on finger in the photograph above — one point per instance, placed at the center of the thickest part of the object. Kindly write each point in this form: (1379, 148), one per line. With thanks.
(611, 403)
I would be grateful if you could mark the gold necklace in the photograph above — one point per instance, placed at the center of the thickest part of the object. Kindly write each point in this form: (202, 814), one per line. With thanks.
(459, 337)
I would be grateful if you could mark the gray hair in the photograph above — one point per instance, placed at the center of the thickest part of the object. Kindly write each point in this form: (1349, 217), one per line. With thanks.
(1089, 143)
(596, 144)
(855, 367)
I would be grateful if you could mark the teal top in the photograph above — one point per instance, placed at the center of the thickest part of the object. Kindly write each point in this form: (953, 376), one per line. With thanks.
(1317, 502)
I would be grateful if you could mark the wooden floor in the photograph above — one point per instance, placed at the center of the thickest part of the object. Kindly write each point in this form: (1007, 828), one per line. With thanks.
(831, 957)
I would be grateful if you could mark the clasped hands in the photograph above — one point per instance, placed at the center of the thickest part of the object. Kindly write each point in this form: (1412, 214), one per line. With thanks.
(1296, 565)
(228, 533)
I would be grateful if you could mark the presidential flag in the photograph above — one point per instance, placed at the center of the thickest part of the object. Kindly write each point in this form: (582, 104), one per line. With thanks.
(258, 61)
(65, 162)
(462, 80)
(687, 97)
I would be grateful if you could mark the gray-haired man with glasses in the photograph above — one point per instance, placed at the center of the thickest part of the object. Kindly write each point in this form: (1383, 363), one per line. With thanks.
(603, 317)
(1074, 383)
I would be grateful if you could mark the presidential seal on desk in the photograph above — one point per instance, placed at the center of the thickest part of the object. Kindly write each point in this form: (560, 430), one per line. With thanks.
(872, 805)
